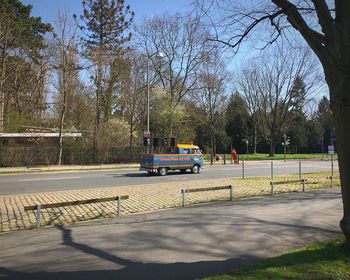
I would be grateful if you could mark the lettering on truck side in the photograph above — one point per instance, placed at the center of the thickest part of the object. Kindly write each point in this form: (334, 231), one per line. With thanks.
(167, 159)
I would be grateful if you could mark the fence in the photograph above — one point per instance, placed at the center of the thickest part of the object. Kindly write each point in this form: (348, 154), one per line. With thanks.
(47, 155)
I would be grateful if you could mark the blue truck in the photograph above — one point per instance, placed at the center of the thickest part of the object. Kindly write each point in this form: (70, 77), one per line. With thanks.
(186, 157)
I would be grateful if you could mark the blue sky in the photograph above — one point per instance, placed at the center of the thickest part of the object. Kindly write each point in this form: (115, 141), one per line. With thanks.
(47, 9)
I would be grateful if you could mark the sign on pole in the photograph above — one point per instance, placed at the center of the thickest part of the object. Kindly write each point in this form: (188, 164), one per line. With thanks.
(333, 136)
(146, 134)
(331, 150)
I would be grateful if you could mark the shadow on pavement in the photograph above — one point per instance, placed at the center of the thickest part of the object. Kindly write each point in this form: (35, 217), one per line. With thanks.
(126, 269)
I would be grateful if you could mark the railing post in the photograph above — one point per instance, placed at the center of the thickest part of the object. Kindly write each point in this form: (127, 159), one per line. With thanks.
(231, 192)
(299, 170)
(272, 188)
(225, 158)
(303, 181)
(183, 197)
(38, 210)
(118, 205)
(332, 171)
(272, 170)
(242, 168)
(331, 181)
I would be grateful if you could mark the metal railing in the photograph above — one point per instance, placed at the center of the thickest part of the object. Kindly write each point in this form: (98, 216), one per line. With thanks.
(38, 207)
(184, 191)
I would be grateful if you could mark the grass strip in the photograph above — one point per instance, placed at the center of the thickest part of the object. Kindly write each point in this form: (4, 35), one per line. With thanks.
(322, 260)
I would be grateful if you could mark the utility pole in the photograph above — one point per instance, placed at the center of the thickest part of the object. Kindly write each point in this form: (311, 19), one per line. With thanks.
(285, 146)
(2, 109)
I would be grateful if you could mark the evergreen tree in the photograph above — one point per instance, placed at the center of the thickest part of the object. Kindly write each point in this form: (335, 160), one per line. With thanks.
(106, 23)
(21, 43)
(297, 132)
(324, 118)
(237, 117)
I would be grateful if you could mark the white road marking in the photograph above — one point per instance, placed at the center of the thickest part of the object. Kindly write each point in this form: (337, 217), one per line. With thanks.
(48, 179)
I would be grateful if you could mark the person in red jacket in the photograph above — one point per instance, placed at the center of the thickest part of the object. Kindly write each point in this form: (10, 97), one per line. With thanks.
(234, 156)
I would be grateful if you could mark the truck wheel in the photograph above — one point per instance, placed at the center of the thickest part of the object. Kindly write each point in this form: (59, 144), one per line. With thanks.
(162, 171)
(195, 169)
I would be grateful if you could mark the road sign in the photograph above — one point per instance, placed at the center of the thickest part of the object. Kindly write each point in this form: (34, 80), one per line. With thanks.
(146, 134)
(331, 150)
(333, 137)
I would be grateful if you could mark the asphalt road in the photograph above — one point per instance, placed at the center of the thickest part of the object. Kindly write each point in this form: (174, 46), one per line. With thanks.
(55, 181)
(186, 243)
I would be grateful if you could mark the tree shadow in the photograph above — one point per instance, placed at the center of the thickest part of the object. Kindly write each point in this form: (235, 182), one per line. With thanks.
(127, 269)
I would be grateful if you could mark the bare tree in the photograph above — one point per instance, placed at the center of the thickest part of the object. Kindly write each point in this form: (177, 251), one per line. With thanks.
(67, 66)
(325, 27)
(268, 86)
(211, 94)
(182, 41)
(133, 95)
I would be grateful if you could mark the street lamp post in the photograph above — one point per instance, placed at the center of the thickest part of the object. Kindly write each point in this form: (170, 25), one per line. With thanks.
(159, 55)
(247, 143)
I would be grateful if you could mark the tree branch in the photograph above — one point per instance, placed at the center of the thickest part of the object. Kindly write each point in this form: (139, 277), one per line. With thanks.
(249, 28)
(315, 40)
(325, 19)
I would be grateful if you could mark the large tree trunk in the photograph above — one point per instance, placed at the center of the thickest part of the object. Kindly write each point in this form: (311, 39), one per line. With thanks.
(338, 80)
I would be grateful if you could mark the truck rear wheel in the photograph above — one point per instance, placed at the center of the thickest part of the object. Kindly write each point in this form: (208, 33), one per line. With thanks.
(162, 171)
(195, 169)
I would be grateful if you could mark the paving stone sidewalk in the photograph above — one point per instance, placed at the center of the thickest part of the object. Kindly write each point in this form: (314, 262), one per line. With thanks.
(141, 199)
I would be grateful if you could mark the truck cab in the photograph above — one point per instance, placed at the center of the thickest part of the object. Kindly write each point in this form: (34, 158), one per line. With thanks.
(185, 157)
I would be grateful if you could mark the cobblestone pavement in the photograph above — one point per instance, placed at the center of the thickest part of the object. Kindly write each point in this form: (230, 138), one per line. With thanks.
(141, 199)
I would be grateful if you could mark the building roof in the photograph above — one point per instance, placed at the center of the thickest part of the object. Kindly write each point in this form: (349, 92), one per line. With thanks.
(39, 135)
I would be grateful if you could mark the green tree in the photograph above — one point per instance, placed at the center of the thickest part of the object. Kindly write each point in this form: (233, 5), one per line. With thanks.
(314, 133)
(21, 43)
(325, 119)
(297, 131)
(162, 113)
(237, 119)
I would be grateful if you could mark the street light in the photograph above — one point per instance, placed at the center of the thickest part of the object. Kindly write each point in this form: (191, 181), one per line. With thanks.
(247, 143)
(160, 55)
